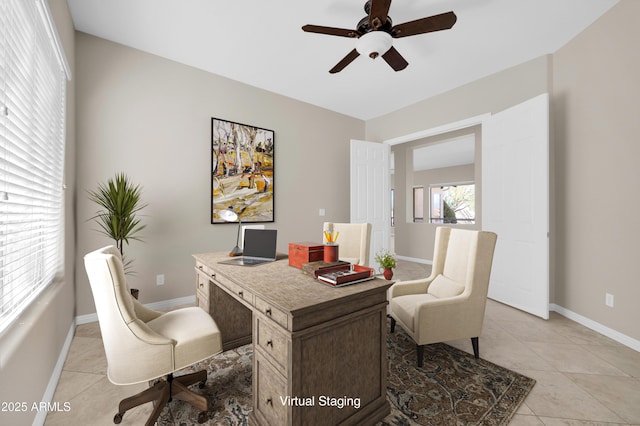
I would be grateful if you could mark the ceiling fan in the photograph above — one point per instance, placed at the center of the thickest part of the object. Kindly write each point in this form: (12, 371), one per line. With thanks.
(376, 31)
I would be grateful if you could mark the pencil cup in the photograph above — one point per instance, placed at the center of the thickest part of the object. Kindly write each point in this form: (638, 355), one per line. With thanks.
(330, 253)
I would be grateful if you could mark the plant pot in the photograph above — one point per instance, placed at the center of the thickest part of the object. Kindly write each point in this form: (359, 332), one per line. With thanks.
(388, 273)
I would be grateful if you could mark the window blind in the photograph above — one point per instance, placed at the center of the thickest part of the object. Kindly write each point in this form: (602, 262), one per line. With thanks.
(32, 133)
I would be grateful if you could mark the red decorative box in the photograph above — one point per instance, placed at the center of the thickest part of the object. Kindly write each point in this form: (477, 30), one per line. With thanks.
(305, 252)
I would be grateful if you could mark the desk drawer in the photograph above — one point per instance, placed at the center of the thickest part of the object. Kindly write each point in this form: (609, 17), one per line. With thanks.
(272, 312)
(269, 387)
(205, 270)
(235, 290)
(202, 301)
(202, 282)
(272, 342)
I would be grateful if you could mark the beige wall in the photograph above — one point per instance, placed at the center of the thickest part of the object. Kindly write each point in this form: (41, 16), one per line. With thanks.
(488, 95)
(596, 104)
(593, 82)
(151, 118)
(29, 349)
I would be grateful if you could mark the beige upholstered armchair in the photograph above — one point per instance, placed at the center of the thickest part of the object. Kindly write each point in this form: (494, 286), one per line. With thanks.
(353, 241)
(450, 303)
(142, 344)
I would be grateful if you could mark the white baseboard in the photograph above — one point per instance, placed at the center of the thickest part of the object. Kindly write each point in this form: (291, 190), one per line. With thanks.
(415, 259)
(41, 415)
(595, 326)
(157, 306)
(171, 303)
(86, 319)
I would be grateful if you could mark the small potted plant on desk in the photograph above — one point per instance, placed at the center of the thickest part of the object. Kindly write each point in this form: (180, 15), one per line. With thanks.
(387, 262)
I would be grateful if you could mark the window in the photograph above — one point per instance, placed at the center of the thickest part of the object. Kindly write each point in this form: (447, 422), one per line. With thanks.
(393, 207)
(418, 204)
(453, 203)
(32, 110)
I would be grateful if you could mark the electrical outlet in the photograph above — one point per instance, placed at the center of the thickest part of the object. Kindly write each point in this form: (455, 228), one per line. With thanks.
(160, 279)
(608, 300)
(321, 212)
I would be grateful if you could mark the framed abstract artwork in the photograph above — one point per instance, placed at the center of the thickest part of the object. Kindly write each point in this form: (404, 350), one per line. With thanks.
(242, 172)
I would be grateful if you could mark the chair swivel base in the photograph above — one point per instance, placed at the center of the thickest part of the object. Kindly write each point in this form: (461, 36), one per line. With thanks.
(164, 391)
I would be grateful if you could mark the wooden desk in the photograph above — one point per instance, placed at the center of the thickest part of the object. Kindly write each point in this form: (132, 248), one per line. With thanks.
(319, 346)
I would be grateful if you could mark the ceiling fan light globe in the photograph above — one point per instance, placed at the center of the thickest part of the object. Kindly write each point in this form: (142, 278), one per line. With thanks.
(374, 44)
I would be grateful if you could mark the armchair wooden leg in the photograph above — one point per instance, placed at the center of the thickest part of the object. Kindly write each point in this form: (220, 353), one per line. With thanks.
(420, 354)
(393, 324)
(476, 348)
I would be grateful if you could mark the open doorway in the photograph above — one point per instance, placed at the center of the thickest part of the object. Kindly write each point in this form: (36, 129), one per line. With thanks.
(512, 199)
(436, 180)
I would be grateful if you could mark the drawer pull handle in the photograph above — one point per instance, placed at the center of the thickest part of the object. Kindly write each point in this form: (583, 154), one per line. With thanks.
(240, 293)
(269, 401)
(270, 343)
(200, 267)
(268, 311)
(201, 284)
(213, 275)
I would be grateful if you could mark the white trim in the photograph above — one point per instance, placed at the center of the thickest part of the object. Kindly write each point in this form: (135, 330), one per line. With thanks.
(47, 397)
(86, 319)
(45, 12)
(158, 306)
(415, 259)
(457, 125)
(595, 326)
(171, 303)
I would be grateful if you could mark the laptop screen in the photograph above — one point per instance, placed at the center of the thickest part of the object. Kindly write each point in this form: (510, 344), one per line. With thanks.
(260, 243)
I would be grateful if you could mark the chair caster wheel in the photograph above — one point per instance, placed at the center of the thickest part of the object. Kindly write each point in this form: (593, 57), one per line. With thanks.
(118, 418)
(202, 417)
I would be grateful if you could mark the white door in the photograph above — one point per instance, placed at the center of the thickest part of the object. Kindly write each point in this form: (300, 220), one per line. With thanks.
(370, 193)
(515, 203)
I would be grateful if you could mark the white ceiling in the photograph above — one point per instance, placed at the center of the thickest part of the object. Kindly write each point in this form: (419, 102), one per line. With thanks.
(260, 42)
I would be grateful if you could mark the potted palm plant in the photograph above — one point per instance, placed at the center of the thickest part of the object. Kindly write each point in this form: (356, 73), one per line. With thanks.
(120, 204)
(387, 262)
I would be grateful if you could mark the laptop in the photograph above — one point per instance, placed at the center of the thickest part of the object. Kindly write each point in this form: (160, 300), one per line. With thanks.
(259, 247)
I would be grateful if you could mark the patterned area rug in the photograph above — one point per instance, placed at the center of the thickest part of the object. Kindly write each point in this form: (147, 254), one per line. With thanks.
(452, 388)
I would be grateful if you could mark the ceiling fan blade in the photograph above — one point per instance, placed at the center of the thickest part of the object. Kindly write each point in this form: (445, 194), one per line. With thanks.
(331, 31)
(379, 13)
(351, 56)
(395, 59)
(444, 21)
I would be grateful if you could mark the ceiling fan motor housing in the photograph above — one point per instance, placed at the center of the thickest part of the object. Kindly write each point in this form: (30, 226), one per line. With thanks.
(375, 33)
(374, 44)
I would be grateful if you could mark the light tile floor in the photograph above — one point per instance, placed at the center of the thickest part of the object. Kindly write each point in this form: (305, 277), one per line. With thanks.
(583, 378)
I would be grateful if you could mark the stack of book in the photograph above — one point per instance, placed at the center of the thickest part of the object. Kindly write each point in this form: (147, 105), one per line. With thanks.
(350, 275)
(318, 268)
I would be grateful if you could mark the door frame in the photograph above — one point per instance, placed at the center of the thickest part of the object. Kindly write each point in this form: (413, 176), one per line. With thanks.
(434, 131)
(481, 120)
